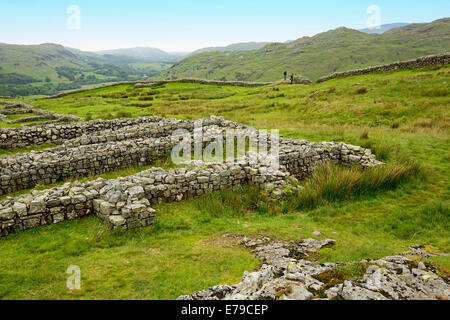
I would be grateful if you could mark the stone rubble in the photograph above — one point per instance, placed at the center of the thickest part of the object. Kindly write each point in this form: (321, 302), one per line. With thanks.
(288, 273)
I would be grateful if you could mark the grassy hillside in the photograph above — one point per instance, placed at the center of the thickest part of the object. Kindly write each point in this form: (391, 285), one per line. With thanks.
(144, 54)
(49, 68)
(403, 116)
(333, 51)
(383, 28)
(39, 61)
(233, 47)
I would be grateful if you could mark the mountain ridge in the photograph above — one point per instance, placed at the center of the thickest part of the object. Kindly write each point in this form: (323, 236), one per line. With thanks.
(384, 27)
(336, 50)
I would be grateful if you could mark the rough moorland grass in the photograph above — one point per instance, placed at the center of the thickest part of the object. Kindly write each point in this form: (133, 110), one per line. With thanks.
(334, 183)
(403, 98)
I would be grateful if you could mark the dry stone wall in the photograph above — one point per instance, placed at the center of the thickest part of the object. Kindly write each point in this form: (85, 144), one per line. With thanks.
(63, 94)
(98, 130)
(99, 152)
(104, 152)
(126, 202)
(432, 60)
(13, 107)
(139, 84)
(203, 81)
(59, 133)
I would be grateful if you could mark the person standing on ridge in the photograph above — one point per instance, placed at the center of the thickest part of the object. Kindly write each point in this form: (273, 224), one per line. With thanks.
(285, 75)
(292, 78)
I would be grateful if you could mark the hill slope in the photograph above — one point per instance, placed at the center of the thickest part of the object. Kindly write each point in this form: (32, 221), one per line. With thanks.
(144, 54)
(385, 27)
(242, 46)
(37, 61)
(336, 50)
(50, 68)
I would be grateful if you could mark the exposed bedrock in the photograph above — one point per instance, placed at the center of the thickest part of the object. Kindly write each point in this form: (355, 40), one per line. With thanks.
(290, 273)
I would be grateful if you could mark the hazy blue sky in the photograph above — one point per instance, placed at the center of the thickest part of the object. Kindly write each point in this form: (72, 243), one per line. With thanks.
(175, 25)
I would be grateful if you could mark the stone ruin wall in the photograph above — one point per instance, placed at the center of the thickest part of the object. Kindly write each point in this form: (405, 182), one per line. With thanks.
(109, 150)
(140, 84)
(63, 94)
(14, 107)
(125, 202)
(432, 60)
(97, 152)
(59, 133)
(203, 81)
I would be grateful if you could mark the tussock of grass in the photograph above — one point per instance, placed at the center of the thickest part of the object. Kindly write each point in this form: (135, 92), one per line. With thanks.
(141, 104)
(365, 134)
(361, 91)
(385, 151)
(124, 114)
(228, 203)
(146, 98)
(333, 183)
(328, 184)
(115, 95)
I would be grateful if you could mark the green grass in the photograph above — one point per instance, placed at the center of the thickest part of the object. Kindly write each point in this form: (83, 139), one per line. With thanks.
(371, 213)
(401, 97)
(12, 151)
(128, 265)
(14, 117)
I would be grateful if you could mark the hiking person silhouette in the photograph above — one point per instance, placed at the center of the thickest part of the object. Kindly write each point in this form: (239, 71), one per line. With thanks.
(292, 78)
(285, 75)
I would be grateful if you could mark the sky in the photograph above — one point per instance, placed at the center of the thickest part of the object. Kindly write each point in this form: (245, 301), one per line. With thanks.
(182, 26)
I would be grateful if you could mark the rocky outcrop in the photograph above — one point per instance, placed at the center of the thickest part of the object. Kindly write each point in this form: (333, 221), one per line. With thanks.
(432, 60)
(302, 80)
(289, 272)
